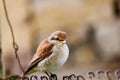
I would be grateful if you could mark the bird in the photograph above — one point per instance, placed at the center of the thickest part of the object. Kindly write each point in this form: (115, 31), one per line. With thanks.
(51, 54)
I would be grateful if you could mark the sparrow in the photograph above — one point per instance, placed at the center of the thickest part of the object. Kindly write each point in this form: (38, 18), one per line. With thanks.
(51, 54)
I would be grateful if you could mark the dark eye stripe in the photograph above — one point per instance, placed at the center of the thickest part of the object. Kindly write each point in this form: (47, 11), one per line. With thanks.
(61, 40)
(57, 39)
(53, 38)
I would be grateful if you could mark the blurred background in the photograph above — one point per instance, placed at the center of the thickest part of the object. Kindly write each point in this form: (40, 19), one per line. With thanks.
(93, 28)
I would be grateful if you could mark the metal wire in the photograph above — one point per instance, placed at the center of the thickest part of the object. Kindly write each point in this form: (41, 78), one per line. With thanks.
(15, 46)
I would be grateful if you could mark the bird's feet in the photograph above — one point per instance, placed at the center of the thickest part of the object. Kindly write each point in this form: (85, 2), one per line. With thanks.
(53, 77)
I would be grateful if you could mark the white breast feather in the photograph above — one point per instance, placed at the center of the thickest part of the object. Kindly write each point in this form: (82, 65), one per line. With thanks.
(56, 59)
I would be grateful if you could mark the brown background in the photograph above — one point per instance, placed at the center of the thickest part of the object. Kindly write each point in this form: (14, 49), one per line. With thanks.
(92, 26)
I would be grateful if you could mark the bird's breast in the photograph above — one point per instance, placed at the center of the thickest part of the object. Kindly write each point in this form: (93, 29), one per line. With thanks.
(58, 57)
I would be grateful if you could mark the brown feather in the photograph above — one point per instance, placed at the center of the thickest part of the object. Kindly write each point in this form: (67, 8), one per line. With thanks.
(43, 51)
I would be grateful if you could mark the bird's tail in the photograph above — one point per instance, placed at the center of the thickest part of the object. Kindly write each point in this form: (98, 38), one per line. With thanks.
(23, 74)
(27, 72)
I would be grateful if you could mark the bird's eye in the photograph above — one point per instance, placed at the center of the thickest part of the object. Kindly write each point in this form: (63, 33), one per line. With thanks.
(57, 38)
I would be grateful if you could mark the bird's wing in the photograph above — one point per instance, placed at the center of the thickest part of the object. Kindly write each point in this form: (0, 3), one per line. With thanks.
(43, 51)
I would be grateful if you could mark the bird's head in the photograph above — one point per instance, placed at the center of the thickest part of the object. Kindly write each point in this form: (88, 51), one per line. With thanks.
(58, 37)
